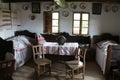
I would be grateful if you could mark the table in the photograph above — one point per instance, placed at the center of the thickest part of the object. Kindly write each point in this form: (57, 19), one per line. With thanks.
(66, 49)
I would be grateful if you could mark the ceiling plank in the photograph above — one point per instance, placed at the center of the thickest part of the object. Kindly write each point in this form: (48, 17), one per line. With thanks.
(109, 1)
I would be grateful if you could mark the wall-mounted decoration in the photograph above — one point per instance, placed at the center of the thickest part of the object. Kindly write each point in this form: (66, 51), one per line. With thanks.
(4, 5)
(96, 8)
(36, 7)
(32, 17)
(14, 18)
(83, 5)
(0, 5)
(107, 8)
(54, 7)
(73, 5)
(57, 7)
(65, 13)
(47, 6)
(114, 8)
(25, 6)
(5, 22)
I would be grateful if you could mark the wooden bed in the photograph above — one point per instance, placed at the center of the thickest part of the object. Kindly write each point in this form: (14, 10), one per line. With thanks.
(20, 45)
(29, 34)
(60, 52)
(107, 51)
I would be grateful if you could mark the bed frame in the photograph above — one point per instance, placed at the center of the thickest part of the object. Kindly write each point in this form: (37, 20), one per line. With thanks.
(113, 50)
(83, 41)
(27, 33)
(105, 36)
(112, 58)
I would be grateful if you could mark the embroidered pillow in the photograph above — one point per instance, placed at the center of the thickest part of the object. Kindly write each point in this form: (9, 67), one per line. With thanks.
(41, 39)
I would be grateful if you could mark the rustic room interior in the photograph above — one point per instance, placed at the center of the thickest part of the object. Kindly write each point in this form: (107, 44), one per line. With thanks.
(90, 24)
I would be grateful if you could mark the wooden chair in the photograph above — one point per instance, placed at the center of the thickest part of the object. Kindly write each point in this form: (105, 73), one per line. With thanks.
(76, 66)
(43, 65)
(6, 69)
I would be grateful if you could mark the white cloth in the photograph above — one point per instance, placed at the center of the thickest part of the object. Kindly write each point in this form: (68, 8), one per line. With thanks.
(55, 48)
(101, 53)
(22, 49)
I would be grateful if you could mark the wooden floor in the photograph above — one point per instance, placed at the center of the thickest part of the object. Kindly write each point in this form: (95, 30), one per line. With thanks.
(26, 72)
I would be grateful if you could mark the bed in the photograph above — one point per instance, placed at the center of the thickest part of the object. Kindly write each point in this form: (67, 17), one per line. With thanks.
(107, 45)
(22, 46)
(57, 52)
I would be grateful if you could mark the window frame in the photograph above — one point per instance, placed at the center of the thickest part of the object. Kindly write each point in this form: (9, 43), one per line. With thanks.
(80, 26)
(58, 21)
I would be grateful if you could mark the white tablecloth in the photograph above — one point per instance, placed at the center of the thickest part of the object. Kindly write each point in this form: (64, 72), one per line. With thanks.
(55, 48)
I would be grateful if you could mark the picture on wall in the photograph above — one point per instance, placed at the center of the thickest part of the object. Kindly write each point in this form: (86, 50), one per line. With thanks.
(36, 7)
(96, 8)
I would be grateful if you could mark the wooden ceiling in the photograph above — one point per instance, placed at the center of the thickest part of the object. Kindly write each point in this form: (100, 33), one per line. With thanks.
(108, 1)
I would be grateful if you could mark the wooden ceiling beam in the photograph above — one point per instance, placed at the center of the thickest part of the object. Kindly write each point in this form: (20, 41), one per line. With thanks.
(109, 1)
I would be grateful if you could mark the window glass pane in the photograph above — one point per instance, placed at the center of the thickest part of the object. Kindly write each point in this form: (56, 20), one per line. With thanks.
(54, 22)
(76, 16)
(76, 23)
(84, 31)
(76, 30)
(84, 23)
(54, 29)
(84, 16)
(55, 15)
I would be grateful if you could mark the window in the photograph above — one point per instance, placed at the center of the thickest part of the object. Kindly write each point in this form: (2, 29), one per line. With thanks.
(51, 22)
(80, 23)
(55, 22)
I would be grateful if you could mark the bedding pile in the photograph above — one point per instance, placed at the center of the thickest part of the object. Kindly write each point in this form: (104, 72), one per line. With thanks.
(22, 49)
(104, 44)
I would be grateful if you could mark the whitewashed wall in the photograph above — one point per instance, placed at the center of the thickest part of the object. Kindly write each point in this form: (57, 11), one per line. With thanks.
(7, 32)
(106, 22)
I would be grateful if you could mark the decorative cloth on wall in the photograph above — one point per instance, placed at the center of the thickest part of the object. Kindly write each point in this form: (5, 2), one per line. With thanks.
(5, 19)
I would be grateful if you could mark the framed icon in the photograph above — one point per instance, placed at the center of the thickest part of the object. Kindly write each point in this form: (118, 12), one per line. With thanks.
(96, 8)
(36, 7)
